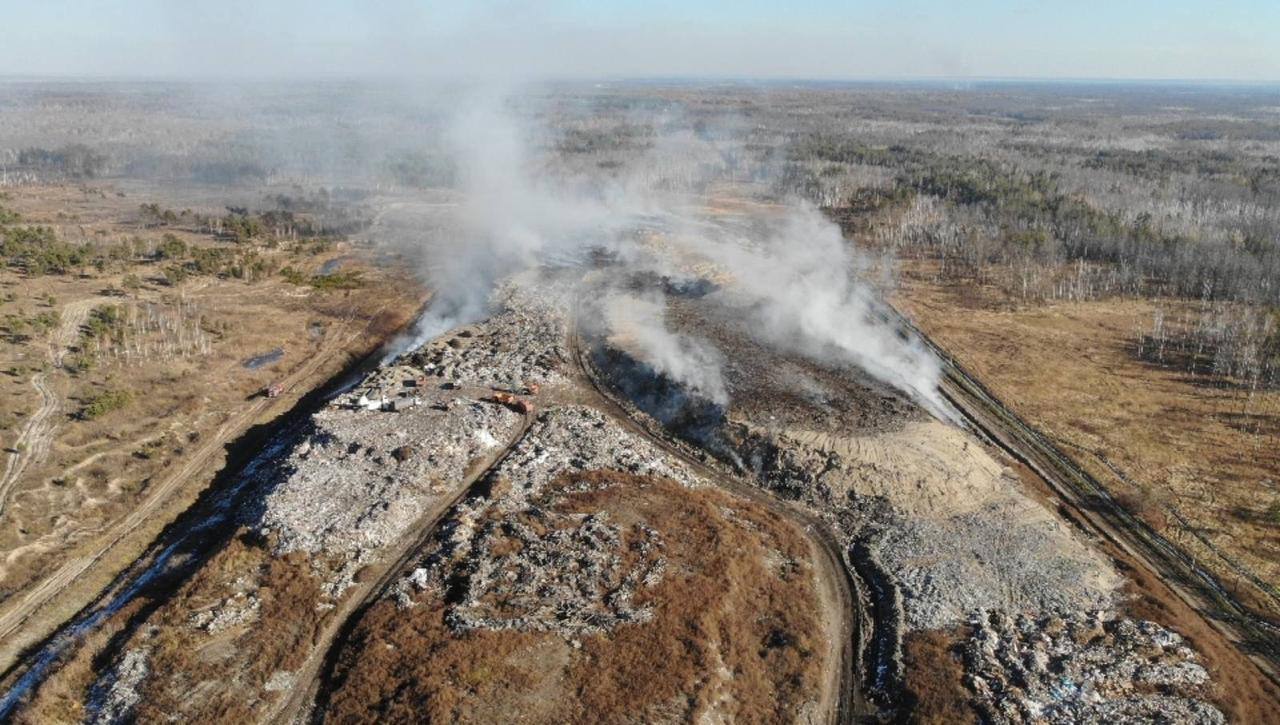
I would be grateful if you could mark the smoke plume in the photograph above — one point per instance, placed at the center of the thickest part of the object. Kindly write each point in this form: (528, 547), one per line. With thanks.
(798, 285)
(790, 275)
(637, 324)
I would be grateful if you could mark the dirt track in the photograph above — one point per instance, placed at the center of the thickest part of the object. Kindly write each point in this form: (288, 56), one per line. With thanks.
(81, 602)
(311, 675)
(852, 596)
(32, 444)
(32, 440)
(842, 698)
(54, 586)
(1092, 506)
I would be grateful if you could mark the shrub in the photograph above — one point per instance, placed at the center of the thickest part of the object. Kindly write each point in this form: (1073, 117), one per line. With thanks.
(175, 274)
(171, 247)
(293, 276)
(103, 403)
(105, 321)
(38, 251)
(46, 320)
(80, 363)
(338, 280)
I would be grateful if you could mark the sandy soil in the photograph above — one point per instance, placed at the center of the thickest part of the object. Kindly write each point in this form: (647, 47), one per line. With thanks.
(1202, 467)
(79, 497)
(928, 468)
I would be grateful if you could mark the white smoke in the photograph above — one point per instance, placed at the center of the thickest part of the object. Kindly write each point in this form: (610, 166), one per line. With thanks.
(507, 217)
(799, 288)
(637, 324)
(793, 277)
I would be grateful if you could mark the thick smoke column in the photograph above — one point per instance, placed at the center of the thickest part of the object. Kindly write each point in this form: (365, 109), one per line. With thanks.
(507, 218)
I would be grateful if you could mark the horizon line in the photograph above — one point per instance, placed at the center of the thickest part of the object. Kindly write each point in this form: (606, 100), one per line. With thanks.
(622, 78)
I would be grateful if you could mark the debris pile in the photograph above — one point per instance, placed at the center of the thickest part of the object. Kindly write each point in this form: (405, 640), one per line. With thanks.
(1084, 667)
(113, 698)
(373, 461)
(507, 561)
(577, 438)
(354, 486)
(523, 344)
(1011, 554)
(563, 573)
(949, 525)
(238, 609)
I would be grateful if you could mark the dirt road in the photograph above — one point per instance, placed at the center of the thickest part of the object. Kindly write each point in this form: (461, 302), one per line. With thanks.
(846, 695)
(843, 597)
(33, 442)
(53, 588)
(1092, 506)
(314, 671)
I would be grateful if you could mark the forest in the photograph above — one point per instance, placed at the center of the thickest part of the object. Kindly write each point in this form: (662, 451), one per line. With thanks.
(1046, 192)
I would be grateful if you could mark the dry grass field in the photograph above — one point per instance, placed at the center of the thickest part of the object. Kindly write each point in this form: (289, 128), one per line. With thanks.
(124, 382)
(1197, 458)
(735, 633)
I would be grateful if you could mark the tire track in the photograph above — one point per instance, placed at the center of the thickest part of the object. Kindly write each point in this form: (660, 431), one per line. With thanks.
(847, 703)
(50, 589)
(858, 625)
(27, 446)
(36, 438)
(316, 670)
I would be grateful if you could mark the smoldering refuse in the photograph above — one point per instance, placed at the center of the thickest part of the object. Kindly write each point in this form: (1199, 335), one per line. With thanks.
(637, 323)
(792, 274)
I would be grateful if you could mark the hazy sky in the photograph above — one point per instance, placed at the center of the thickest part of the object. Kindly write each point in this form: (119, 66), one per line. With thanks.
(1223, 39)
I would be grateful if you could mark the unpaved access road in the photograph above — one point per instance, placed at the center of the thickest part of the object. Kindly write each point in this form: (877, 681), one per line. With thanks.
(54, 588)
(314, 671)
(1093, 507)
(843, 597)
(846, 698)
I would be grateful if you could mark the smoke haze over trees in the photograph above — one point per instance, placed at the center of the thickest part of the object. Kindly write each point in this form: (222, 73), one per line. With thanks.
(1047, 191)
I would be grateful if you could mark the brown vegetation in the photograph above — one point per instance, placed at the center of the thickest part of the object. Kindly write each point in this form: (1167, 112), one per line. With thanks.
(935, 677)
(232, 668)
(1239, 689)
(1194, 459)
(229, 666)
(734, 631)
